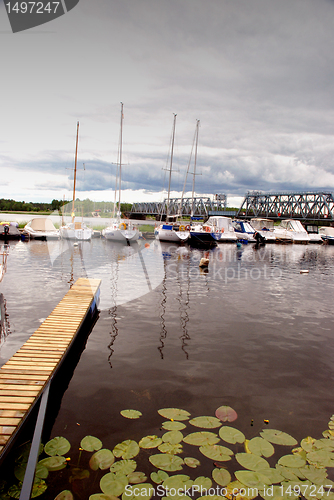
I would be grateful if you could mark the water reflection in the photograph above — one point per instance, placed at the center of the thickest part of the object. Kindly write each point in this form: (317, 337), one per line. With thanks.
(4, 320)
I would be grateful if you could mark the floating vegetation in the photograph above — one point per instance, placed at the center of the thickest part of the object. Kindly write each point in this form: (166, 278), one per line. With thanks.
(131, 414)
(243, 471)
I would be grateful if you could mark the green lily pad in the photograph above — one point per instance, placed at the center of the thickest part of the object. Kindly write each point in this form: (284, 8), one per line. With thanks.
(287, 473)
(317, 476)
(150, 442)
(231, 435)
(252, 462)
(113, 484)
(57, 446)
(205, 422)
(171, 448)
(261, 447)
(166, 462)
(273, 475)
(78, 474)
(192, 462)
(307, 443)
(292, 461)
(124, 466)
(54, 463)
(143, 492)
(226, 414)
(131, 414)
(39, 487)
(64, 495)
(127, 449)
(323, 443)
(203, 482)
(174, 414)
(221, 476)
(321, 458)
(101, 459)
(236, 490)
(177, 482)
(102, 496)
(136, 477)
(216, 452)
(278, 437)
(173, 425)
(274, 493)
(201, 438)
(252, 479)
(20, 469)
(173, 437)
(91, 443)
(159, 477)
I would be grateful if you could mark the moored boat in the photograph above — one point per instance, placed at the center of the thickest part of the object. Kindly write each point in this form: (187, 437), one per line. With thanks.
(264, 227)
(41, 228)
(9, 231)
(291, 231)
(222, 229)
(327, 234)
(244, 231)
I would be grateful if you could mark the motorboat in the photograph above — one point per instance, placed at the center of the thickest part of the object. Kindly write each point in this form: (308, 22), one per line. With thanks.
(291, 231)
(202, 235)
(327, 234)
(41, 228)
(175, 232)
(244, 231)
(264, 227)
(313, 232)
(9, 231)
(222, 229)
(75, 230)
(122, 231)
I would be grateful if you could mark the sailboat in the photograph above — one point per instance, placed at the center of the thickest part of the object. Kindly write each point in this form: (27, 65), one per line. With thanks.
(75, 230)
(121, 230)
(171, 231)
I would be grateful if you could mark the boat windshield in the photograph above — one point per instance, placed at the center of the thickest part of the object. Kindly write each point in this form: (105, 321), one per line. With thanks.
(296, 225)
(248, 228)
(262, 224)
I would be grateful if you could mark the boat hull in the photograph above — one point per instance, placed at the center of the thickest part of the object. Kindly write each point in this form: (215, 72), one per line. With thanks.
(83, 234)
(120, 235)
(169, 234)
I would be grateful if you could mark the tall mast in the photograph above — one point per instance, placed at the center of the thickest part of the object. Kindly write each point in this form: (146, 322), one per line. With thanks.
(75, 171)
(120, 161)
(195, 161)
(171, 165)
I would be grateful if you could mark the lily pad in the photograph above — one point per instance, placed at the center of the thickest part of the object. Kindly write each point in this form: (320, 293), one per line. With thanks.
(127, 449)
(173, 437)
(274, 493)
(287, 473)
(278, 437)
(39, 487)
(148, 442)
(221, 476)
(64, 495)
(201, 438)
(20, 469)
(174, 414)
(78, 474)
(143, 492)
(313, 474)
(321, 458)
(252, 462)
(226, 414)
(131, 414)
(292, 461)
(231, 435)
(173, 425)
(91, 443)
(136, 477)
(261, 447)
(166, 462)
(102, 496)
(216, 452)
(192, 462)
(205, 422)
(124, 466)
(236, 491)
(204, 483)
(113, 484)
(171, 448)
(307, 443)
(273, 475)
(177, 481)
(101, 459)
(54, 463)
(252, 479)
(159, 477)
(57, 446)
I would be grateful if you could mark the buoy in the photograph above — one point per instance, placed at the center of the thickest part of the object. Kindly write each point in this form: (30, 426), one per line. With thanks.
(147, 245)
(75, 244)
(304, 271)
(239, 245)
(204, 262)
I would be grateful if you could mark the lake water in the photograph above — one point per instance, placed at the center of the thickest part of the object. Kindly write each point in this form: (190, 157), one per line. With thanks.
(251, 332)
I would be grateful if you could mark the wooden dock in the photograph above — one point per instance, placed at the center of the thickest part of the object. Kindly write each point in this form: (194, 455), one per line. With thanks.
(24, 376)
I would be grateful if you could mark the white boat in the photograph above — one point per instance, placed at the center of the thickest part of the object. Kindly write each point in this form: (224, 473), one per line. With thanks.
(244, 231)
(121, 230)
(41, 228)
(291, 231)
(75, 230)
(313, 232)
(327, 234)
(265, 227)
(170, 231)
(222, 229)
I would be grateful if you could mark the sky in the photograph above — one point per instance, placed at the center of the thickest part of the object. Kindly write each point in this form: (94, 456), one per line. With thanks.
(258, 74)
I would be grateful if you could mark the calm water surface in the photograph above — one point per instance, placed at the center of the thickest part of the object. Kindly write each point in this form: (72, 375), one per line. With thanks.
(252, 333)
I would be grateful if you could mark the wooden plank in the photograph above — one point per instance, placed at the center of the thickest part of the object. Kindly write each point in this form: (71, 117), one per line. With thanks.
(12, 413)
(20, 393)
(6, 421)
(16, 399)
(20, 387)
(15, 406)
(26, 375)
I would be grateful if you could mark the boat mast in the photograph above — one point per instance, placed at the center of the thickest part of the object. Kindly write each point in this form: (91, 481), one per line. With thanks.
(171, 165)
(195, 161)
(75, 171)
(120, 161)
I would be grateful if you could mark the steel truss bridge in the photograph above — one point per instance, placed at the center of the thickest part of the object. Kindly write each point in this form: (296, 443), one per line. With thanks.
(303, 206)
(180, 206)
